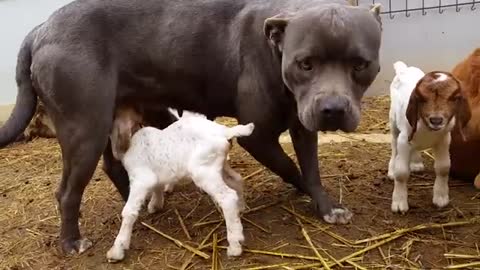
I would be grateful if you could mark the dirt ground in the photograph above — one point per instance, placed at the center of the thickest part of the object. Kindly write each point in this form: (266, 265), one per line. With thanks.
(353, 172)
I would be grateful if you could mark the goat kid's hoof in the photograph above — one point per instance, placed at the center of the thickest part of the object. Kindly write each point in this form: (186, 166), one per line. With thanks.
(115, 255)
(476, 183)
(399, 207)
(168, 188)
(417, 167)
(441, 201)
(76, 246)
(234, 251)
(338, 216)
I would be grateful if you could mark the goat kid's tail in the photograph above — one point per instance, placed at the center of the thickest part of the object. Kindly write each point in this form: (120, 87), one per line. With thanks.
(239, 131)
(399, 67)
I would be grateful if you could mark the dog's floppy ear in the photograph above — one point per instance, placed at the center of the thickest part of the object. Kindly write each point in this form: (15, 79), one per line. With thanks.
(412, 113)
(462, 115)
(274, 29)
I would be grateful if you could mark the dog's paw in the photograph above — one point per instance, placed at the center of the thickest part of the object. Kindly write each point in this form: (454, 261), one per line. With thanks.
(338, 216)
(76, 246)
(115, 254)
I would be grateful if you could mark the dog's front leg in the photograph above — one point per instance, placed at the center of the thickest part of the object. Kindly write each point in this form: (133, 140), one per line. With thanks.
(305, 145)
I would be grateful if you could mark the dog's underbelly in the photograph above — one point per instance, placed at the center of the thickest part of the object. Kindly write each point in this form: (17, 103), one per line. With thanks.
(185, 93)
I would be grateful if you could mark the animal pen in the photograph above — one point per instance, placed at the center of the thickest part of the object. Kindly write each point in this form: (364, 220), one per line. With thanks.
(280, 228)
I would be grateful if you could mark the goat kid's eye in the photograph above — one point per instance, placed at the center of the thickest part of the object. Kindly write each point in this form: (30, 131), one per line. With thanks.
(305, 65)
(361, 65)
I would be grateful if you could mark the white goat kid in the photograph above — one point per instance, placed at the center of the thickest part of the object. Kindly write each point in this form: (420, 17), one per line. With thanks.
(423, 111)
(191, 148)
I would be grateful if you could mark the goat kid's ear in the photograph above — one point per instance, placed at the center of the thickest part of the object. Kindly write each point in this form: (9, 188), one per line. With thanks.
(412, 113)
(463, 116)
(274, 29)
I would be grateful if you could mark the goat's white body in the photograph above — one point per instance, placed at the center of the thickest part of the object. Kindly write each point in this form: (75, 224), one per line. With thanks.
(191, 148)
(405, 155)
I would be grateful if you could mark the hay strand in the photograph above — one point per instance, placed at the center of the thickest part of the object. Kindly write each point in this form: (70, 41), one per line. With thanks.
(178, 242)
(277, 254)
(214, 252)
(182, 224)
(202, 245)
(418, 228)
(464, 265)
(335, 236)
(312, 246)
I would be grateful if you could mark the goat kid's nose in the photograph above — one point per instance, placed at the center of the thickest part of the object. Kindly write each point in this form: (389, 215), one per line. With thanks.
(436, 121)
(332, 107)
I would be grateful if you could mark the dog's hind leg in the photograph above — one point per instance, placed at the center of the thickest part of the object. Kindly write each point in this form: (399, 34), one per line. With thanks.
(81, 105)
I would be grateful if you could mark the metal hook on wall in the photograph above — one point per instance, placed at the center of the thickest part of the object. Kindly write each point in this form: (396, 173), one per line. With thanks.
(390, 10)
(440, 10)
(406, 9)
(473, 6)
(423, 8)
(457, 7)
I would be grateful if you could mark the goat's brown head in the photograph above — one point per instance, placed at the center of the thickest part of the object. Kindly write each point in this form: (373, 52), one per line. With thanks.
(436, 100)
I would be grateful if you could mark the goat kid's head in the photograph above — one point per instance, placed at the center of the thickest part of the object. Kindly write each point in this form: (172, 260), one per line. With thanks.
(436, 100)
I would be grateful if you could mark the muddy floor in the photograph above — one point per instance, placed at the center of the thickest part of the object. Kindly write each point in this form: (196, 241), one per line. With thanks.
(276, 223)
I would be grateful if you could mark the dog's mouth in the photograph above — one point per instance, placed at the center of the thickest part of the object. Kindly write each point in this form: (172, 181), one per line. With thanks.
(323, 123)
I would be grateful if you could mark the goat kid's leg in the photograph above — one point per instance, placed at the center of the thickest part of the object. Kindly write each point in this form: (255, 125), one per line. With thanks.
(157, 199)
(210, 180)
(142, 183)
(391, 163)
(401, 175)
(416, 162)
(235, 181)
(442, 168)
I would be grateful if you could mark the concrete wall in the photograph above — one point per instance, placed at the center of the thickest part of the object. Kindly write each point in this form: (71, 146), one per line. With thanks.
(433, 41)
(17, 18)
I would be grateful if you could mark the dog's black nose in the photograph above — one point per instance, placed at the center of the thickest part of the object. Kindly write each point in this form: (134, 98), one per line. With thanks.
(332, 107)
(436, 121)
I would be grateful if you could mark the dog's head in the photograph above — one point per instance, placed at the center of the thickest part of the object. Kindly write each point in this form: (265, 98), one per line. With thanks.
(436, 100)
(329, 58)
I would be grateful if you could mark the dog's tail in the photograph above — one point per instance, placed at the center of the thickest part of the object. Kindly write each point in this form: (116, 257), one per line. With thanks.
(239, 131)
(26, 102)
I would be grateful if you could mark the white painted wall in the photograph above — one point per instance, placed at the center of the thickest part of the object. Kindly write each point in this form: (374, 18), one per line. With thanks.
(17, 18)
(433, 41)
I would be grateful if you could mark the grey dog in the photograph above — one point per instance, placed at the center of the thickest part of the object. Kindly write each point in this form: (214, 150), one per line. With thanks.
(297, 65)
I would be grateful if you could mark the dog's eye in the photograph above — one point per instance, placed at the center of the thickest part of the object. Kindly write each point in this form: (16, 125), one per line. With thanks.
(305, 65)
(361, 65)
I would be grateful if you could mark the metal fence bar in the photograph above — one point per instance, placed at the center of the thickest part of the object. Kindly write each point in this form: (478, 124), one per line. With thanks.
(440, 7)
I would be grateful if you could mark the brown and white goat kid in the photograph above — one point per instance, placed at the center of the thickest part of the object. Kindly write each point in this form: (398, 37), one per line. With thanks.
(423, 111)
(193, 148)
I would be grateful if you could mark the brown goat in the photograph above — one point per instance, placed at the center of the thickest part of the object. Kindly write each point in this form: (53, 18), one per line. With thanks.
(463, 153)
(41, 125)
